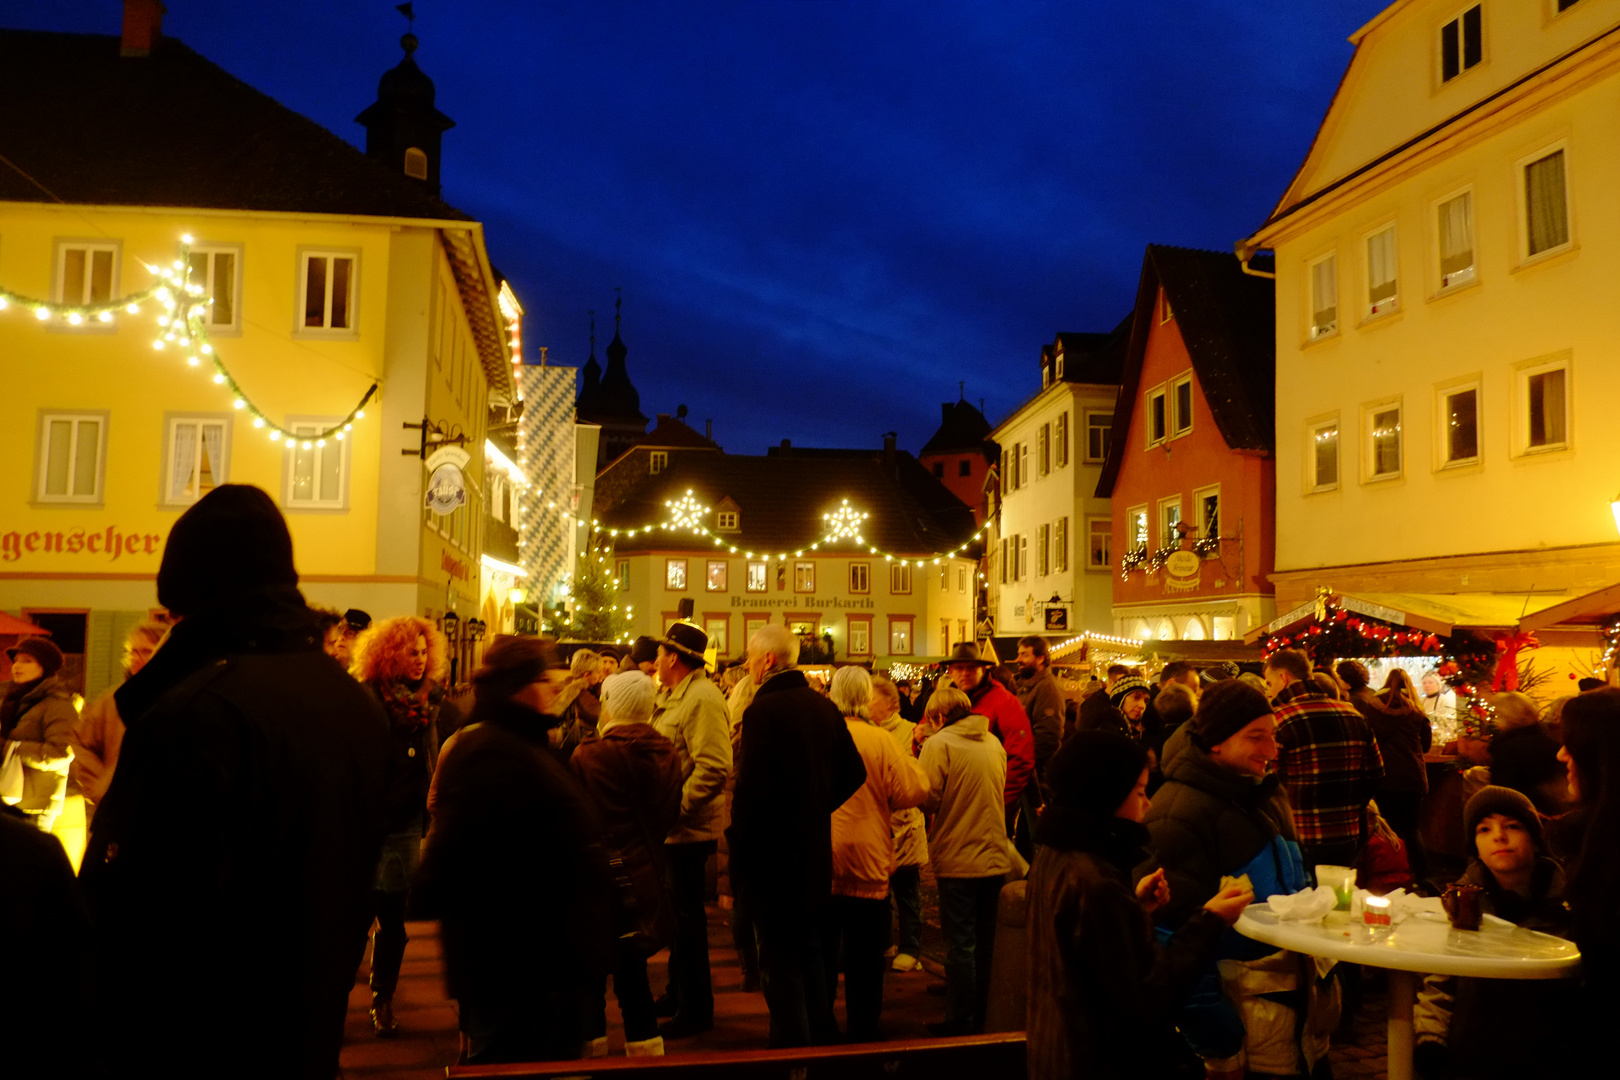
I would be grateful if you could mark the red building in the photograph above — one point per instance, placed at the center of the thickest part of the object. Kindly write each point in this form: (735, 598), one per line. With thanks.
(957, 454)
(1191, 473)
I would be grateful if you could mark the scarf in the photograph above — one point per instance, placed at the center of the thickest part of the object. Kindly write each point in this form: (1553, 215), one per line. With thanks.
(410, 709)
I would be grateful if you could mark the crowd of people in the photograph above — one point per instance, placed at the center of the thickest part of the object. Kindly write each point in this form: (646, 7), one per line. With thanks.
(274, 783)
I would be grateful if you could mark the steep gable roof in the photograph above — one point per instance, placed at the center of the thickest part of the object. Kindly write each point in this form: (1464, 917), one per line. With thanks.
(962, 427)
(1226, 319)
(86, 125)
(1087, 357)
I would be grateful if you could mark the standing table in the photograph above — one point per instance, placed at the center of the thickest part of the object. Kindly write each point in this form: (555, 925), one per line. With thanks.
(1422, 944)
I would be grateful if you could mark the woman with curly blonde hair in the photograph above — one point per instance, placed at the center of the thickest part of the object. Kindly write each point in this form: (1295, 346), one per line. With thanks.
(402, 661)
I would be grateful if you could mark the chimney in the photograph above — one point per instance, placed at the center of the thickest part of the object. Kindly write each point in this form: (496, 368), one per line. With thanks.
(143, 24)
(787, 444)
(889, 438)
(708, 430)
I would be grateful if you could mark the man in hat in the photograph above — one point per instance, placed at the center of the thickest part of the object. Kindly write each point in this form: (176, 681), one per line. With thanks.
(690, 712)
(1008, 723)
(515, 870)
(241, 830)
(644, 655)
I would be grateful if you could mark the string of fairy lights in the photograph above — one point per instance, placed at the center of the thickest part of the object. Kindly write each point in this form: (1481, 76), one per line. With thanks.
(182, 321)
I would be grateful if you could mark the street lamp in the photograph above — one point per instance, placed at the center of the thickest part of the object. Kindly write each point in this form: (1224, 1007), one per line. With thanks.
(475, 630)
(451, 625)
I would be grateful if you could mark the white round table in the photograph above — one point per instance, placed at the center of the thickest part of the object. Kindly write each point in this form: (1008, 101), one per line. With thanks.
(1422, 944)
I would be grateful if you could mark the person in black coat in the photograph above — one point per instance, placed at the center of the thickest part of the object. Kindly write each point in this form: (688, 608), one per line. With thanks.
(796, 765)
(239, 836)
(515, 869)
(1524, 757)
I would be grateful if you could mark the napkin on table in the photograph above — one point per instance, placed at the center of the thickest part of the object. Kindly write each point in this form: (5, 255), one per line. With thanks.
(1305, 905)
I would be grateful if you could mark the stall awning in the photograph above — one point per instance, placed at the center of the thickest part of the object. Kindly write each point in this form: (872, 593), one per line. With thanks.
(1434, 613)
(1577, 622)
(10, 624)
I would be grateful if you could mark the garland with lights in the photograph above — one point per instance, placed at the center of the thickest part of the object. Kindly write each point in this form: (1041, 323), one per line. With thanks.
(185, 325)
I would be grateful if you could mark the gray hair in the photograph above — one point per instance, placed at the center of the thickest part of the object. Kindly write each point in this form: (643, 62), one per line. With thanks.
(883, 686)
(627, 698)
(949, 704)
(851, 691)
(585, 662)
(777, 640)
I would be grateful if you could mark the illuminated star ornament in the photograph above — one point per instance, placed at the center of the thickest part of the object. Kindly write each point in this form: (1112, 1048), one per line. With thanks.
(686, 513)
(844, 523)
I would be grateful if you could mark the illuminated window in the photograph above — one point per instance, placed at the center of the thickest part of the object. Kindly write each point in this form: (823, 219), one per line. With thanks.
(327, 290)
(72, 455)
(860, 636)
(899, 636)
(86, 273)
(1324, 296)
(804, 577)
(317, 474)
(1543, 392)
(416, 164)
(758, 577)
(194, 458)
(717, 627)
(726, 521)
(1459, 425)
(217, 270)
(1169, 521)
(675, 574)
(715, 576)
(1455, 226)
(1383, 442)
(1382, 296)
(657, 461)
(1546, 205)
(1323, 455)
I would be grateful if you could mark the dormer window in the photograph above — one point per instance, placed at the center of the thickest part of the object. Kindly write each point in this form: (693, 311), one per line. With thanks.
(1460, 44)
(726, 521)
(416, 164)
(1057, 366)
(657, 461)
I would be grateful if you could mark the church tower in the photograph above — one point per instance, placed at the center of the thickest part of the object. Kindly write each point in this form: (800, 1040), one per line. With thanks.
(403, 129)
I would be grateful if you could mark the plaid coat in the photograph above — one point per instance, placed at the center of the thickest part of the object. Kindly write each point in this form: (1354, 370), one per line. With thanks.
(1329, 761)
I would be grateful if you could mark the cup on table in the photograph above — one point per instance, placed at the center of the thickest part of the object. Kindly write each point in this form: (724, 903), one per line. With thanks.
(1462, 905)
(1342, 880)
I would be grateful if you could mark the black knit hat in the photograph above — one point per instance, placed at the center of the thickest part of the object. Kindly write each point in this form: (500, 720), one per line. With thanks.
(44, 652)
(231, 541)
(1495, 799)
(1124, 688)
(1095, 770)
(512, 663)
(1226, 709)
(644, 651)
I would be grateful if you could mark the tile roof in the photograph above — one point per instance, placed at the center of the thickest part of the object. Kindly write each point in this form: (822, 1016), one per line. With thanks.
(1227, 319)
(782, 497)
(962, 427)
(173, 129)
(673, 431)
(1089, 357)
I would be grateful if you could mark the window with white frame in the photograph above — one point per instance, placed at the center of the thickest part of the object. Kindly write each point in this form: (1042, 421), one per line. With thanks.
(804, 577)
(1060, 439)
(1169, 521)
(1181, 406)
(860, 636)
(715, 575)
(758, 577)
(86, 272)
(1023, 556)
(621, 573)
(1099, 428)
(1459, 425)
(1157, 418)
(1207, 505)
(944, 577)
(900, 636)
(1046, 377)
(1455, 224)
(195, 450)
(317, 468)
(1001, 559)
(726, 520)
(327, 288)
(1060, 545)
(899, 578)
(72, 457)
(657, 461)
(1543, 391)
(1322, 455)
(1044, 442)
(1057, 366)
(1545, 198)
(1043, 550)
(961, 579)
(1324, 296)
(1099, 543)
(1383, 441)
(1023, 464)
(1462, 44)
(675, 575)
(1381, 272)
(1136, 527)
(217, 271)
(860, 577)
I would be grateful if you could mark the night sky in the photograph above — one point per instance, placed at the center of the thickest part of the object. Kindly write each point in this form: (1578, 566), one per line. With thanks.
(824, 214)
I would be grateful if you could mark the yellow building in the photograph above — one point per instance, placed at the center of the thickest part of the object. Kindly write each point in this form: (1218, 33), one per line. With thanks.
(332, 275)
(1445, 261)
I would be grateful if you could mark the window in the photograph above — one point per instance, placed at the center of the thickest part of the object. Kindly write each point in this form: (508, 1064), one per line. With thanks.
(1045, 443)
(860, 577)
(1023, 464)
(1459, 425)
(1060, 439)
(1323, 455)
(1324, 296)
(1207, 507)
(726, 520)
(194, 457)
(715, 576)
(758, 577)
(1022, 559)
(1543, 390)
(1099, 542)
(216, 270)
(899, 636)
(675, 574)
(944, 636)
(1383, 442)
(1460, 44)
(657, 462)
(1136, 527)
(416, 164)
(1165, 314)
(1099, 427)
(1156, 418)
(1003, 474)
(944, 577)
(1046, 377)
(86, 273)
(899, 578)
(317, 469)
(1057, 366)
(328, 290)
(1060, 544)
(72, 452)
(1565, 5)
(1381, 272)
(804, 577)
(1546, 205)
(1181, 417)
(860, 636)
(1043, 550)
(1456, 232)
(1169, 521)
(622, 574)
(964, 467)
(961, 580)
(939, 470)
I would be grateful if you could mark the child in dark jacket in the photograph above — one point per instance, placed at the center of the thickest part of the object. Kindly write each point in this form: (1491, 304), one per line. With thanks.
(1476, 1028)
(1103, 994)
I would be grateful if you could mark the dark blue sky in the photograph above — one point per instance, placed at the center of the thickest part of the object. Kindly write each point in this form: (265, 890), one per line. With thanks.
(824, 213)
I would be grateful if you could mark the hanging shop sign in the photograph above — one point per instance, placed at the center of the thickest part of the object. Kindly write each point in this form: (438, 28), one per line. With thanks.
(1181, 571)
(1057, 619)
(447, 484)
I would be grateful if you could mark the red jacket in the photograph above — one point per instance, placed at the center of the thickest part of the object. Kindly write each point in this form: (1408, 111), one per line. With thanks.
(1009, 724)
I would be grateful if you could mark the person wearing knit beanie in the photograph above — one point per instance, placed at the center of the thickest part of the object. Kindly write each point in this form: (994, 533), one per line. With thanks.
(1495, 799)
(1226, 709)
(231, 541)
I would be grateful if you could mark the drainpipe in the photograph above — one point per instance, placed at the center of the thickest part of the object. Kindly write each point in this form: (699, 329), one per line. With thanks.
(1244, 254)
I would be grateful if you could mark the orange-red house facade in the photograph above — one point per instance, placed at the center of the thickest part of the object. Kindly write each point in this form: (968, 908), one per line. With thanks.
(1191, 475)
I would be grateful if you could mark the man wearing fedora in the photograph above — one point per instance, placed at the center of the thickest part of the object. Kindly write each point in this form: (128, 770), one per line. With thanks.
(690, 712)
(1007, 720)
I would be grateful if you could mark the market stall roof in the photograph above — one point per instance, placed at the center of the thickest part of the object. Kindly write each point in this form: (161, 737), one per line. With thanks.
(1106, 644)
(10, 624)
(1204, 650)
(1435, 613)
(1578, 621)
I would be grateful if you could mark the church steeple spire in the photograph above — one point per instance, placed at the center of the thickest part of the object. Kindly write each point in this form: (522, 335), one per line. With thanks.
(403, 129)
